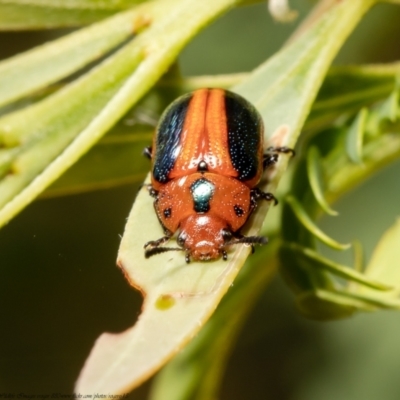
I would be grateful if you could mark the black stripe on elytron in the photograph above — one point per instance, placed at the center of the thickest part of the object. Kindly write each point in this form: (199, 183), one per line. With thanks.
(168, 135)
(244, 135)
(202, 191)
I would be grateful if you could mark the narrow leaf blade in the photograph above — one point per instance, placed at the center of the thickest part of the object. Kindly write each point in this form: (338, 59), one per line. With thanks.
(315, 177)
(355, 136)
(310, 225)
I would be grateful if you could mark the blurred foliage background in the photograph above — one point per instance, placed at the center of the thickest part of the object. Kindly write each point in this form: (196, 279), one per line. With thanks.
(60, 288)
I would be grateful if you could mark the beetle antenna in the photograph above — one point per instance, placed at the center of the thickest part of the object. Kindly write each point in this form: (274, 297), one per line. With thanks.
(249, 240)
(158, 250)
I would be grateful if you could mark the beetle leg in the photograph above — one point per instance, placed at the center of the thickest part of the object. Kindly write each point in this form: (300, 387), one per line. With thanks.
(147, 152)
(187, 258)
(256, 194)
(282, 149)
(269, 160)
(158, 242)
(271, 156)
(152, 192)
(249, 240)
(224, 255)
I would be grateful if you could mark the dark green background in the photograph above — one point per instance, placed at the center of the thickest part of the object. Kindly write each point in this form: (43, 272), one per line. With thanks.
(60, 288)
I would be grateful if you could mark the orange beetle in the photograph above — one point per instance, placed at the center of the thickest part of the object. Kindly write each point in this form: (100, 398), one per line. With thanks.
(207, 157)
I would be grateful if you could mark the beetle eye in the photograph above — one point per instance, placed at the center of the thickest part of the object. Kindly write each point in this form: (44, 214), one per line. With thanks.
(227, 235)
(181, 239)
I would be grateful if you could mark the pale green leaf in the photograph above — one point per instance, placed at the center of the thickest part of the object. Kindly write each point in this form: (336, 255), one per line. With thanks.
(15, 17)
(385, 261)
(23, 74)
(329, 305)
(196, 372)
(316, 179)
(389, 109)
(45, 14)
(116, 160)
(89, 106)
(310, 225)
(349, 88)
(358, 252)
(312, 260)
(76, 4)
(180, 298)
(355, 135)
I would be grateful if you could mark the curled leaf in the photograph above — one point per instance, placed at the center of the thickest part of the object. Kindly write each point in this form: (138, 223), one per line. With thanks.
(310, 225)
(355, 135)
(384, 264)
(315, 177)
(389, 109)
(311, 259)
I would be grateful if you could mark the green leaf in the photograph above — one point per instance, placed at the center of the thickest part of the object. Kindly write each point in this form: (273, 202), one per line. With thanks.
(78, 4)
(384, 264)
(310, 259)
(343, 175)
(45, 14)
(115, 160)
(89, 106)
(389, 109)
(326, 305)
(179, 299)
(196, 373)
(315, 177)
(29, 17)
(310, 225)
(25, 73)
(349, 88)
(284, 77)
(355, 135)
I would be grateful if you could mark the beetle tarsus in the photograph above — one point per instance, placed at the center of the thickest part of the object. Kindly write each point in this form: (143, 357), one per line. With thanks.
(282, 149)
(147, 152)
(152, 192)
(158, 250)
(257, 194)
(158, 242)
(272, 155)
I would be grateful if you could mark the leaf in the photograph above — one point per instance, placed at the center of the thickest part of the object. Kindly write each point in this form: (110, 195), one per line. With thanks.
(117, 158)
(355, 135)
(389, 109)
(89, 106)
(349, 88)
(114, 161)
(326, 305)
(25, 73)
(315, 177)
(310, 259)
(76, 4)
(309, 224)
(29, 17)
(384, 263)
(180, 298)
(196, 373)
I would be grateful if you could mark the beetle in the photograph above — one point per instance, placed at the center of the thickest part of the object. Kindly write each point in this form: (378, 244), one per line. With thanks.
(207, 158)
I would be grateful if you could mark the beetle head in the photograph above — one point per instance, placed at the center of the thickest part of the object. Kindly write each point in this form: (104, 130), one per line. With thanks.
(203, 237)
